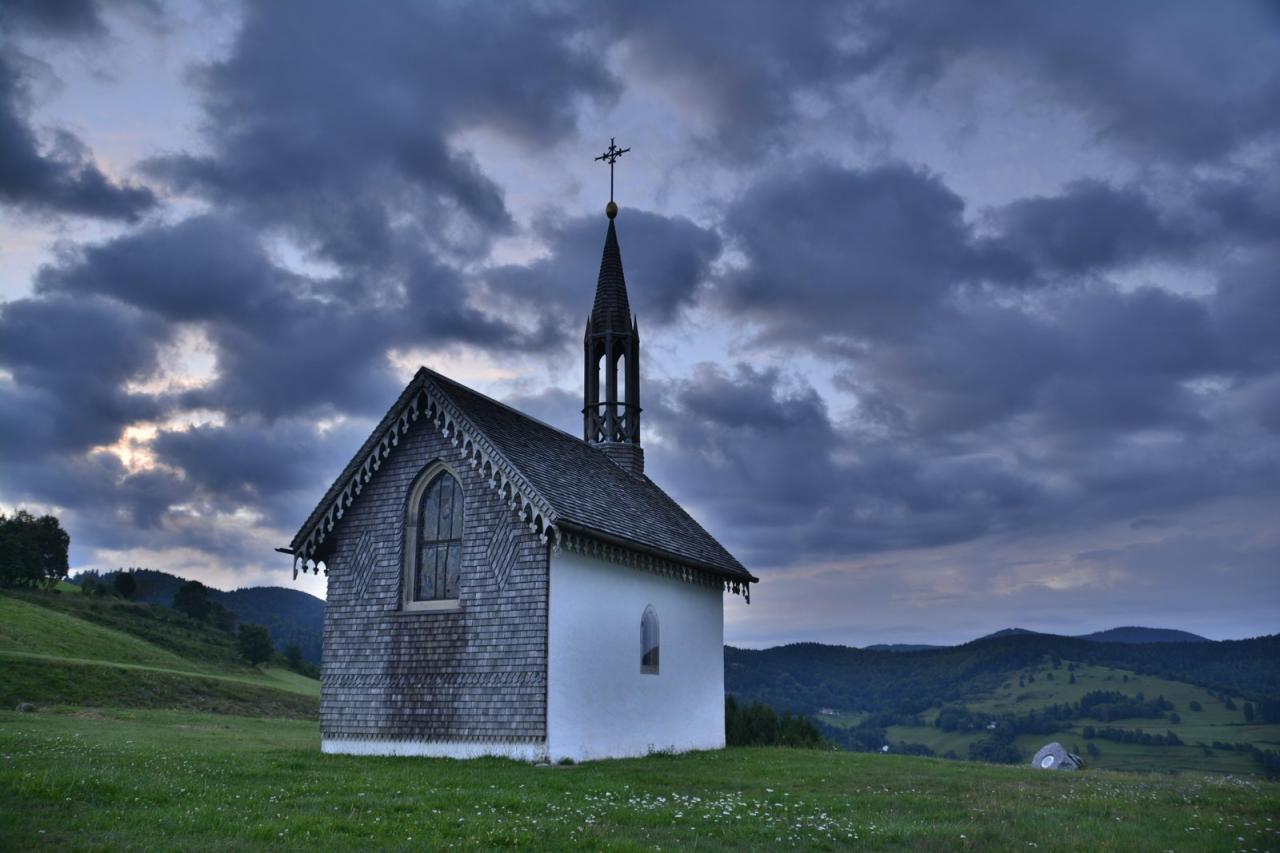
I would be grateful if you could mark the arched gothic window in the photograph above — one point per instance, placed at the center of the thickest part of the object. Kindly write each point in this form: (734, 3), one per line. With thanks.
(433, 540)
(649, 641)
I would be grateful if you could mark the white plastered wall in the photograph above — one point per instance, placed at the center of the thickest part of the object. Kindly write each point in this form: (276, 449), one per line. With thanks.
(434, 749)
(599, 704)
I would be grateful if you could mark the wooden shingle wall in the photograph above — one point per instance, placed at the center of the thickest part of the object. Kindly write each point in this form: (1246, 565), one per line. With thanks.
(478, 674)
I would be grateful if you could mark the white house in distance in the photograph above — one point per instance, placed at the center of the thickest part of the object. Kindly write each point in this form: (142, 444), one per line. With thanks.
(500, 587)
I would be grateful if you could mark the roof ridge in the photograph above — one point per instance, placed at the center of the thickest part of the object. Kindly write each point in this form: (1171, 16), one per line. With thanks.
(496, 402)
(550, 477)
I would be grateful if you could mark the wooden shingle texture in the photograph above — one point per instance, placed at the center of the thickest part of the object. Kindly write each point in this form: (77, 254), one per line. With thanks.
(474, 674)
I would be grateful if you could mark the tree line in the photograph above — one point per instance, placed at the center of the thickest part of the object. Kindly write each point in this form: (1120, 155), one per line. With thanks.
(759, 725)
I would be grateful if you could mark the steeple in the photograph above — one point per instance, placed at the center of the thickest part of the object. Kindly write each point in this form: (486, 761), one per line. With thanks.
(612, 346)
(611, 310)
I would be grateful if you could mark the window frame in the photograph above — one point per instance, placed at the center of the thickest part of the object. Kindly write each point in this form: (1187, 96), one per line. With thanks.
(653, 668)
(417, 492)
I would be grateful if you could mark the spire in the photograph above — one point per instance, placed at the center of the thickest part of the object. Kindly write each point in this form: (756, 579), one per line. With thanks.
(610, 419)
(611, 311)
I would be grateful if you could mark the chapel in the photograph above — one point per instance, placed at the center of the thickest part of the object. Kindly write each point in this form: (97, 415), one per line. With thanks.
(497, 586)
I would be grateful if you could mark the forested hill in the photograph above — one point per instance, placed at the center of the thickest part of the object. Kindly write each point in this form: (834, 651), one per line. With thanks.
(1144, 635)
(290, 615)
(804, 677)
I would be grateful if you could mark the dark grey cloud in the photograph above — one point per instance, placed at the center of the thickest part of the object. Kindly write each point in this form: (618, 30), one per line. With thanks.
(742, 69)
(277, 467)
(336, 125)
(284, 343)
(763, 462)
(1171, 80)
(60, 178)
(1177, 81)
(1247, 208)
(840, 252)
(982, 403)
(52, 17)
(70, 359)
(1091, 226)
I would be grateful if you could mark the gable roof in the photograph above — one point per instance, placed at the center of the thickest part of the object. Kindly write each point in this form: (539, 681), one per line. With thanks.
(560, 484)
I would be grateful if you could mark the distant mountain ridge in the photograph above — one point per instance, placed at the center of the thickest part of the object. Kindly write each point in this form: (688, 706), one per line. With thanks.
(1143, 635)
(1129, 635)
(290, 615)
(804, 677)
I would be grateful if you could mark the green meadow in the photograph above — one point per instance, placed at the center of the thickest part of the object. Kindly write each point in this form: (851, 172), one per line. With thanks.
(147, 733)
(145, 779)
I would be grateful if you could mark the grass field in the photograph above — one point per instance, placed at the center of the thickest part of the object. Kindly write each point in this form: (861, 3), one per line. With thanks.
(66, 650)
(1213, 723)
(163, 779)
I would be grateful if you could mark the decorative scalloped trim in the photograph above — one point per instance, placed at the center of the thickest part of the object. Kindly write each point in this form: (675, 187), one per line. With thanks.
(589, 547)
(452, 738)
(478, 451)
(467, 679)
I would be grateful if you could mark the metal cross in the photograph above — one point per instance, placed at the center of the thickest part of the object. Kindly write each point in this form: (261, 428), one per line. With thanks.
(611, 156)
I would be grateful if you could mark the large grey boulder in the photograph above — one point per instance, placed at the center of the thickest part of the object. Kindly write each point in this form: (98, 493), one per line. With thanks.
(1053, 757)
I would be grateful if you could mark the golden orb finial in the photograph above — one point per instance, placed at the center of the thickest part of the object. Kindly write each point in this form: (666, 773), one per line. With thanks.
(611, 209)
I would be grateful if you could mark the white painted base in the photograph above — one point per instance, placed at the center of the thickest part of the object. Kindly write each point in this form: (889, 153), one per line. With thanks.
(435, 749)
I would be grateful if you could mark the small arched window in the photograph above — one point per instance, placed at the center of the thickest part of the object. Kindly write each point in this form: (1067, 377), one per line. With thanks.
(649, 641)
(433, 540)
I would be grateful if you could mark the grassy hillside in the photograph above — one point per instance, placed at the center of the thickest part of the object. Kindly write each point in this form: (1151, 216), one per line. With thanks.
(66, 649)
(152, 779)
(290, 615)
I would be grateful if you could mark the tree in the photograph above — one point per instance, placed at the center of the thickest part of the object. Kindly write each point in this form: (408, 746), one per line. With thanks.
(1072, 679)
(1195, 706)
(126, 584)
(293, 656)
(222, 618)
(254, 644)
(1174, 717)
(192, 598)
(33, 551)
(1228, 703)
(1248, 712)
(1092, 749)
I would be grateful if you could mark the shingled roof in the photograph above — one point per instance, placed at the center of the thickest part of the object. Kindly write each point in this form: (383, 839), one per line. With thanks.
(561, 484)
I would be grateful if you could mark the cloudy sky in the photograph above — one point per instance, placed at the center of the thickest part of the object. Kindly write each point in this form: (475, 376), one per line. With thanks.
(957, 316)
